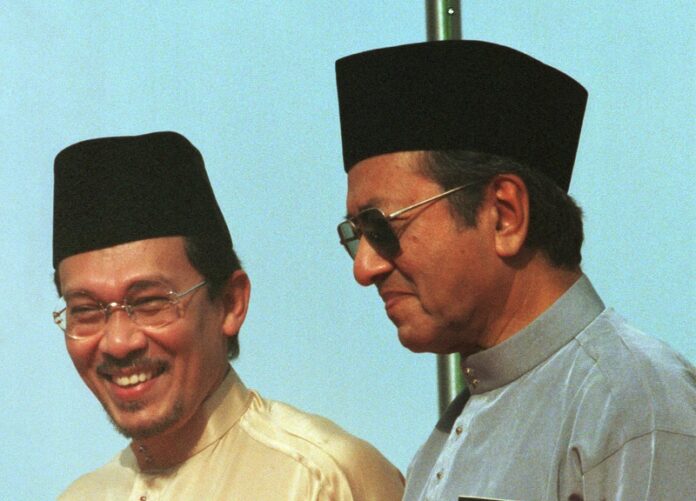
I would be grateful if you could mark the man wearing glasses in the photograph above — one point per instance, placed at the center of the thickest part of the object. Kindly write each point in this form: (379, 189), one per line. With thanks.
(154, 298)
(459, 157)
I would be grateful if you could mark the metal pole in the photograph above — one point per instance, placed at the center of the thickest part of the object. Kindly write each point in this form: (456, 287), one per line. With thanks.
(444, 22)
(443, 19)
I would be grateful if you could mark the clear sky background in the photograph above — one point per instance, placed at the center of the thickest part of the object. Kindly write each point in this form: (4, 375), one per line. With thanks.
(251, 84)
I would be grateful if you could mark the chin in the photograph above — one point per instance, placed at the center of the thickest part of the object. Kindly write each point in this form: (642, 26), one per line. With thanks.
(420, 342)
(415, 343)
(145, 428)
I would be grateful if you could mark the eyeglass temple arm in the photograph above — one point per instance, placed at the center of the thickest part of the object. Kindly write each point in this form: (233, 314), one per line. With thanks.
(427, 200)
(179, 295)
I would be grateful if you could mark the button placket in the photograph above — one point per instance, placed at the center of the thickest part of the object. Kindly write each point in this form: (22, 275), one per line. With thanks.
(470, 375)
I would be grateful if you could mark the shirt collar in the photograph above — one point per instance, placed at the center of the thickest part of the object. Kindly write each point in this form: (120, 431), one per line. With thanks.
(559, 324)
(223, 410)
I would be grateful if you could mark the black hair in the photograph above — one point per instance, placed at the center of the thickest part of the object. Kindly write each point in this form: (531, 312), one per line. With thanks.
(555, 225)
(216, 264)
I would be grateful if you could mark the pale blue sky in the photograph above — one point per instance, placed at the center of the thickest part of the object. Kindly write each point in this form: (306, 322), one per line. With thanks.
(252, 85)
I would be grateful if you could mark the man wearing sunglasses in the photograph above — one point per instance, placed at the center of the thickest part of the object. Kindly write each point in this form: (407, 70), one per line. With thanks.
(459, 156)
(153, 298)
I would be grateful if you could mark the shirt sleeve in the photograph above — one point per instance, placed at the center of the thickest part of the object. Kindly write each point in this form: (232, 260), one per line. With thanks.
(658, 465)
(362, 474)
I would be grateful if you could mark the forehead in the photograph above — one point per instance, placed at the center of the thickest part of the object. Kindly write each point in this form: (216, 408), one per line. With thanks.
(385, 179)
(161, 258)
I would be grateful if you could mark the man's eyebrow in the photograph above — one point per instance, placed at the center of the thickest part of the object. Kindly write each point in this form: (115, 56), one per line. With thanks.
(134, 287)
(78, 293)
(147, 284)
(372, 203)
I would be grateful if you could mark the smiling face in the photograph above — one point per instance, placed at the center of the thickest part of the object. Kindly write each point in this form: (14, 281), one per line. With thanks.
(150, 381)
(445, 285)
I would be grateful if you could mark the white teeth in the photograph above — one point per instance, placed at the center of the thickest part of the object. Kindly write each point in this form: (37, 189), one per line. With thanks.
(132, 379)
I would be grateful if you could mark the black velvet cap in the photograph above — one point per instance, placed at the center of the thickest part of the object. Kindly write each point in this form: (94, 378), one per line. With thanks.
(114, 190)
(463, 95)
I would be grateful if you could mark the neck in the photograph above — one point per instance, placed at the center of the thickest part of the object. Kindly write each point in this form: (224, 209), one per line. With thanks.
(531, 290)
(173, 446)
(169, 448)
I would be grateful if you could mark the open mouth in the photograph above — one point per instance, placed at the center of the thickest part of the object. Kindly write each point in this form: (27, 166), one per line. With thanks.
(133, 377)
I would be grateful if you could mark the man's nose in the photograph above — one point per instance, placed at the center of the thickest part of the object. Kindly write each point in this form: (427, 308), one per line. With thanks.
(368, 265)
(121, 335)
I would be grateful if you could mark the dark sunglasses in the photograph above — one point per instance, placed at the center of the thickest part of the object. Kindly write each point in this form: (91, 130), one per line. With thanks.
(375, 226)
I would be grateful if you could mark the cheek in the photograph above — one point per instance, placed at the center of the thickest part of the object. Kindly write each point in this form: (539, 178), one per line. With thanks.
(208, 329)
(448, 279)
(198, 341)
(82, 354)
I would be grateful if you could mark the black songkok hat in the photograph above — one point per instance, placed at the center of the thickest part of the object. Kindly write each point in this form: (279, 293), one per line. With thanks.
(113, 190)
(461, 95)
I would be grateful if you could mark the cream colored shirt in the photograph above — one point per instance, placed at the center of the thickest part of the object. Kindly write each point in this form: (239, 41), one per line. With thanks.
(253, 450)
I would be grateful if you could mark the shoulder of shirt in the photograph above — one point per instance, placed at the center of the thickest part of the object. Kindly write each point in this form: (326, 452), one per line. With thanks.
(316, 442)
(93, 482)
(639, 381)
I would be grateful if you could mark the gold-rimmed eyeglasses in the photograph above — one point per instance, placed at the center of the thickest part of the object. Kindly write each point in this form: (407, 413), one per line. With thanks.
(151, 305)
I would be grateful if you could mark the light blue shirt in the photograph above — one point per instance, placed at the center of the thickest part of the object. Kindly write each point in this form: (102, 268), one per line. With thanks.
(578, 405)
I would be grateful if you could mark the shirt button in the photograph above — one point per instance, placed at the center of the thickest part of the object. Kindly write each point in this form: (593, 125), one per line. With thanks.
(439, 475)
(143, 498)
(470, 375)
(459, 430)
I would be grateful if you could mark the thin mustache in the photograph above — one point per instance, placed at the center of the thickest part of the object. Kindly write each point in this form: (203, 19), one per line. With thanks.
(142, 363)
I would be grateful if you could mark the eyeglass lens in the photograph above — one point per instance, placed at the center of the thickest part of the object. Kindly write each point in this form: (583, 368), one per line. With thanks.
(349, 237)
(150, 306)
(374, 225)
(82, 316)
(84, 320)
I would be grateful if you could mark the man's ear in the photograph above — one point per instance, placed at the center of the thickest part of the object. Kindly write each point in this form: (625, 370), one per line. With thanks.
(235, 297)
(510, 201)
